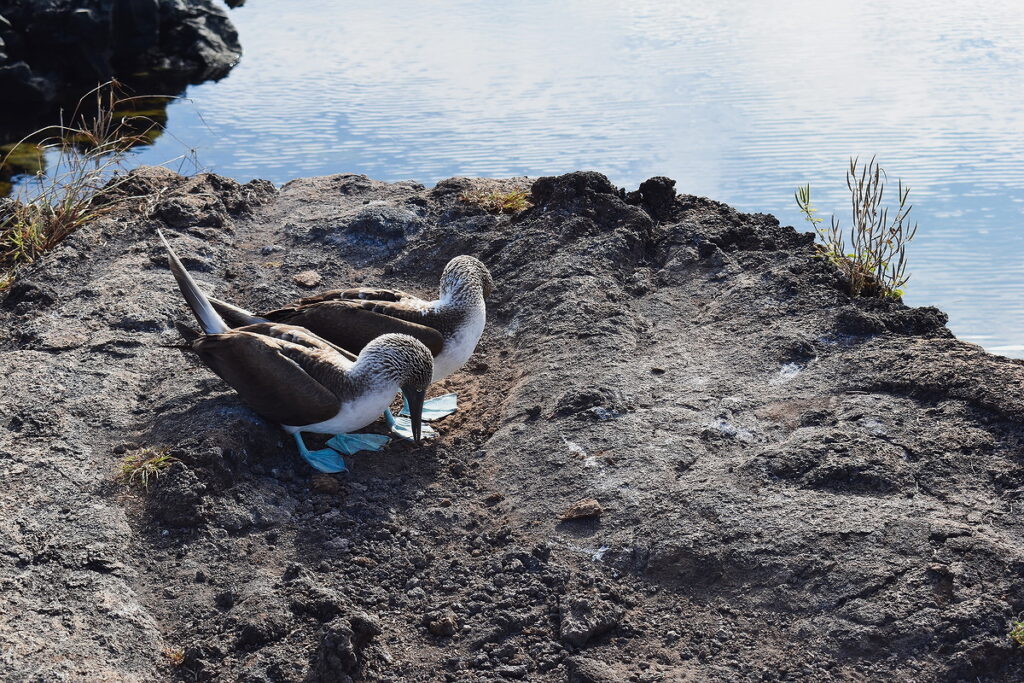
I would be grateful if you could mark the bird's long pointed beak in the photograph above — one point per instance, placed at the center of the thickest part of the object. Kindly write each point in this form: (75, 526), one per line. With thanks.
(415, 401)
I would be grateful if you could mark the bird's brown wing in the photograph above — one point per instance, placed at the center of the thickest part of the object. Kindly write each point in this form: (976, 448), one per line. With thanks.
(352, 324)
(360, 293)
(299, 336)
(277, 378)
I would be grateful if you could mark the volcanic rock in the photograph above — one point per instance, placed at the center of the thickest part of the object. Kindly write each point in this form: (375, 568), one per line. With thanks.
(807, 486)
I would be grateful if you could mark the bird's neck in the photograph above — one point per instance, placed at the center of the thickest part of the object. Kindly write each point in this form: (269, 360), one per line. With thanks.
(460, 298)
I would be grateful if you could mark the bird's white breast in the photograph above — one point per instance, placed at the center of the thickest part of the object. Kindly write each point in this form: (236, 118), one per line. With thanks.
(352, 415)
(460, 347)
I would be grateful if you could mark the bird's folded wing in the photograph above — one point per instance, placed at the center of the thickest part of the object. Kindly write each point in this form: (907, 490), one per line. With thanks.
(276, 378)
(362, 293)
(352, 324)
(300, 336)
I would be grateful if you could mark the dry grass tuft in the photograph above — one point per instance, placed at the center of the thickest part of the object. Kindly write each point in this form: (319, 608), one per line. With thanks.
(498, 202)
(139, 469)
(85, 156)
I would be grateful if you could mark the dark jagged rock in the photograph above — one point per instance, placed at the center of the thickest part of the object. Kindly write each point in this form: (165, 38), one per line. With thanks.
(583, 618)
(657, 196)
(52, 51)
(792, 484)
(344, 639)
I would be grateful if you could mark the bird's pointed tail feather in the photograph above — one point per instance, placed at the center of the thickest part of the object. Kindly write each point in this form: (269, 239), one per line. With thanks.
(204, 312)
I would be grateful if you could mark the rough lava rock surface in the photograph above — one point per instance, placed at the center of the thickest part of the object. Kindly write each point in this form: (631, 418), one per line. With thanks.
(794, 485)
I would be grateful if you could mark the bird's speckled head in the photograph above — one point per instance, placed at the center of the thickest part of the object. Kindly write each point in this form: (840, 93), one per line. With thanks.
(405, 361)
(465, 275)
(398, 358)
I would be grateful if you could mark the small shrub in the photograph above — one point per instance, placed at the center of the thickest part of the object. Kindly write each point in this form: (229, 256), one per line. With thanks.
(499, 202)
(139, 469)
(875, 263)
(1017, 632)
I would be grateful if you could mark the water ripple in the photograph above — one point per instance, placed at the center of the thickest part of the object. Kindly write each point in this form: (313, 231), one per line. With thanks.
(739, 101)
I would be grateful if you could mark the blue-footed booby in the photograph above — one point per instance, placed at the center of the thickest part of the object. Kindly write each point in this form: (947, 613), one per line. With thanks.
(450, 326)
(303, 382)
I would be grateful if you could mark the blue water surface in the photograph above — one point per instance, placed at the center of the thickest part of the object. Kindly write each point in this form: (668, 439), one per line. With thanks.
(739, 101)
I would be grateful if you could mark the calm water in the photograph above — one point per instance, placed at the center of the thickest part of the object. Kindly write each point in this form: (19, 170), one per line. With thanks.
(735, 100)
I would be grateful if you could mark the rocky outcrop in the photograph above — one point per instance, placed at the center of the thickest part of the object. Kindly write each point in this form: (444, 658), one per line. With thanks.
(792, 484)
(51, 51)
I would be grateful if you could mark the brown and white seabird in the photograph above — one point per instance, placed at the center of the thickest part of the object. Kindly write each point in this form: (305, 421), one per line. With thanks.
(303, 382)
(450, 326)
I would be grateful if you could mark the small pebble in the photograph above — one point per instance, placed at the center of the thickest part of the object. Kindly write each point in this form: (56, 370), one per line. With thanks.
(444, 625)
(581, 509)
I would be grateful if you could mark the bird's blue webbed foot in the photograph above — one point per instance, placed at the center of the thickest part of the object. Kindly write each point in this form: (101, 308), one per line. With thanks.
(401, 427)
(325, 460)
(350, 444)
(434, 408)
